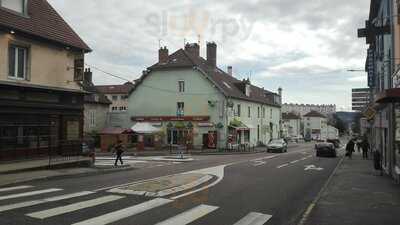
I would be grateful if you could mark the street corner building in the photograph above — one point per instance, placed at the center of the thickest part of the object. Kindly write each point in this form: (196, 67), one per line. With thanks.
(382, 34)
(192, 102)
(41, 73)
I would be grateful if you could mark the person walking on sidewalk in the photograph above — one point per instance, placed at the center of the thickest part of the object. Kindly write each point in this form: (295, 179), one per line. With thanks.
(350, 148)
(365, 148)
(118, 152)
(359, 145)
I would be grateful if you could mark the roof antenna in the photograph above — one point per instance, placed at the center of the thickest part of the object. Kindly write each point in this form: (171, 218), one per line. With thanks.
(198, 41)
(184, 42)
(159, 43)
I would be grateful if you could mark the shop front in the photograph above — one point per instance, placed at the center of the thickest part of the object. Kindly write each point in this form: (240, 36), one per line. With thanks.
(238, 134)
(38, 122)
(184, 131)
(390, 134)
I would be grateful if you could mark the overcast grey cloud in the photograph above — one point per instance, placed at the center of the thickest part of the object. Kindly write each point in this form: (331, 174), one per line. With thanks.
(304, 46)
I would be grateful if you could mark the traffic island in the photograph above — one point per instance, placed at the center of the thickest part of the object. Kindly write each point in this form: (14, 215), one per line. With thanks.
(164, 186)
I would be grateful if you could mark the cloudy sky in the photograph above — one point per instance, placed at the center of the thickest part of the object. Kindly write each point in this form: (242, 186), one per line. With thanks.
(303, 46)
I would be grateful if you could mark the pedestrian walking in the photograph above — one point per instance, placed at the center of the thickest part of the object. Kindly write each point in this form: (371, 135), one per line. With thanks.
(350, 148)
(118, 152)
(365, 148)
(359, 145)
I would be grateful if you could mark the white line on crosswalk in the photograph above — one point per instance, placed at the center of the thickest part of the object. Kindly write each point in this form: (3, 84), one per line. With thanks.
(73, 207)
(15, 188)
(283, 165)
(295, 161)
(189, 216)
(40, 201)
(126, 212)
(254, 218)
(29, 193)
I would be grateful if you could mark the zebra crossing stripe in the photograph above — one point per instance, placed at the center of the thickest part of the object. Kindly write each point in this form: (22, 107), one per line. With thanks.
(73, 207)
(29, 193)
(189, 215)
(126, 212)
(41, 201)
(254, 218)
(15, 188)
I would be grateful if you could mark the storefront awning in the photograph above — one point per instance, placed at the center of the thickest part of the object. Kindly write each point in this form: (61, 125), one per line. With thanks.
(241, 126)
(145, 128)
(389, 96)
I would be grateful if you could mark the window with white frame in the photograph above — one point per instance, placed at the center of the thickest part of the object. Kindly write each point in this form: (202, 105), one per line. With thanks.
(17, 62)
(180, 109)
(181, 86)
(14, 5)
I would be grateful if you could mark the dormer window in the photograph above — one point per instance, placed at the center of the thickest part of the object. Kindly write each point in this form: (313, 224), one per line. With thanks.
(18, 6)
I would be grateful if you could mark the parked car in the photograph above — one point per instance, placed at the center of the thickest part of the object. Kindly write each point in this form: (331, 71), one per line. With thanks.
(335, 142)
(325, 149)
(277, 145)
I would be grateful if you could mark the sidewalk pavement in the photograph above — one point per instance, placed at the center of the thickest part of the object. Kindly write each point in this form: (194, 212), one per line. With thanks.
(42, 163)
(37, 169)
(357, 195)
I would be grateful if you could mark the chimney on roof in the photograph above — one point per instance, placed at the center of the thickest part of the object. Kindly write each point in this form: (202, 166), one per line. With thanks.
(230, 71)
(163, 55)
(193, 49)
(212, 54)
(87, 76)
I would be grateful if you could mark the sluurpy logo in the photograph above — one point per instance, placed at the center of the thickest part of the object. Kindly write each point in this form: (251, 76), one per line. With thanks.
(195, 19)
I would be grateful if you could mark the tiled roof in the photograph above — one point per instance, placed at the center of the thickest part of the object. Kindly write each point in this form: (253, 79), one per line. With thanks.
(90, 98)
(290, 116)
(226, 83)
(115, 89)
(42, 21)
(314, 114)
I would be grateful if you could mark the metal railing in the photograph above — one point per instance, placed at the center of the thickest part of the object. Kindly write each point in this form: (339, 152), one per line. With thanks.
(39, 147)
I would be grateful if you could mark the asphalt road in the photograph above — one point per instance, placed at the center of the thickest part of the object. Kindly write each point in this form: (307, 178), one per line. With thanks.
(254, 189)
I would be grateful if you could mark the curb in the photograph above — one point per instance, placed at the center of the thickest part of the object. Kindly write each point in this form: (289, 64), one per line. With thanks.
(312, 205)
(61, 176)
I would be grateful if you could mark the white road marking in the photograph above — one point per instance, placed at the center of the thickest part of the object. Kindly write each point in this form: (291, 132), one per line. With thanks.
(313, 167)
(29, 193)
(123, 213)
(73, 207)
(189, 215)
(15, 188)
(304, 158)
(266, 157)
(40, 201)
(283, 165)
(254, 218)
(260, 163)
(217, 171)
(295, 161)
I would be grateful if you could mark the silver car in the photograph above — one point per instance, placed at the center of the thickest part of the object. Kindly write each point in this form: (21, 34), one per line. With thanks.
(277, 145)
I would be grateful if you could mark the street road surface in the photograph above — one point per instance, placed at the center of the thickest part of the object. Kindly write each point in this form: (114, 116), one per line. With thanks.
(263, 188)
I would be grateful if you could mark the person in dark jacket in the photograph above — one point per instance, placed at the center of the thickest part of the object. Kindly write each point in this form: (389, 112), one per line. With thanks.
(118, 151)
(365, 148)
(350, 148)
